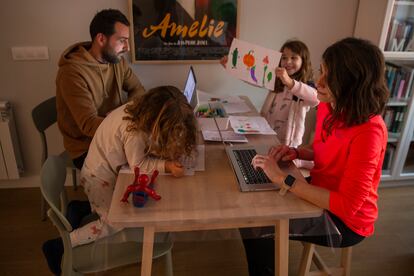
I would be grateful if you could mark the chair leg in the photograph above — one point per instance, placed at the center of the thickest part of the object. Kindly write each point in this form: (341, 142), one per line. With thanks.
(75, 185)
(346, 260)
(306, 260)
(320, 264)
(43, 206)
(168, 264)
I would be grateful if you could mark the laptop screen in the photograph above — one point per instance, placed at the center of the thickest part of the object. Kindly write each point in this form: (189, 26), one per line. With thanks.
(190, 88)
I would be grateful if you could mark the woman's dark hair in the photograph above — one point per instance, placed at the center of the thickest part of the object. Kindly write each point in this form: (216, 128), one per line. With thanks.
(164, 114)
(356, 77)
(104, 22)
(304, 74)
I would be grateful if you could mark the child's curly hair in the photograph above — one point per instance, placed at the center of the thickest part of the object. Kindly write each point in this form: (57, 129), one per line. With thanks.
(164, 114)
(305, 73)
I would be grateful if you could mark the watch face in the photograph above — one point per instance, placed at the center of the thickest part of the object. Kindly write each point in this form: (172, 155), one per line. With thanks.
(289, 180)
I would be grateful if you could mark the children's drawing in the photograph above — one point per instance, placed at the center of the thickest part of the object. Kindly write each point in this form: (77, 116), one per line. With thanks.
(259, 63)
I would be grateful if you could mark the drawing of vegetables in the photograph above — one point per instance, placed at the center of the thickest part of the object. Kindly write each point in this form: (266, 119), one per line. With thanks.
(252, 73)
(248, 59)
(235, 57)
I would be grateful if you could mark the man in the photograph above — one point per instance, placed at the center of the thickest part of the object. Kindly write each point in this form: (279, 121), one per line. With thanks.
(91, 81)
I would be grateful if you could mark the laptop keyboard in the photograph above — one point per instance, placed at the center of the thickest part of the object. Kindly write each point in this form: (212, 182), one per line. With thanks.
(244, 160)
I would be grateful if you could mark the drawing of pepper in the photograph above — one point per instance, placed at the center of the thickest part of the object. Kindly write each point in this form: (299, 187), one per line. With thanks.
(269, 76)
(248, 59)
(252, 73)
(235, 56)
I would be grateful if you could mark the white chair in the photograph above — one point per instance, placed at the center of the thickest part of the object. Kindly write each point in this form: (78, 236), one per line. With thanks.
(44, 115)
(309, 254)
(92, 257)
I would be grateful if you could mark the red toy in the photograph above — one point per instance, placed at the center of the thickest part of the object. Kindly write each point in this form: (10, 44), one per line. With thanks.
(142, 184)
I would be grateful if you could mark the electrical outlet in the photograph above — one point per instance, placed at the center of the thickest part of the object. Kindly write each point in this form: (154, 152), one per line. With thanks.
(30, 53)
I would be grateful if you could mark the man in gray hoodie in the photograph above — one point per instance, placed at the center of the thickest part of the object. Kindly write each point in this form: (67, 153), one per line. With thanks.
(92, 80)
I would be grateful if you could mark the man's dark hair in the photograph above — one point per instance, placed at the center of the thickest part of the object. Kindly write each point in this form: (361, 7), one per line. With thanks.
(104, 22)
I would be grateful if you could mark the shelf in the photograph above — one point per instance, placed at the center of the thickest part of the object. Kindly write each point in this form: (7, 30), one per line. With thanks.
(390, 25)
(400, 102)
(394, 137)
(399, 56)
(404, 3)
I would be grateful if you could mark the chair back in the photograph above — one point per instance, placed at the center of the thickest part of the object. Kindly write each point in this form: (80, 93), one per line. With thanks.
(44, 115)
(53, 176)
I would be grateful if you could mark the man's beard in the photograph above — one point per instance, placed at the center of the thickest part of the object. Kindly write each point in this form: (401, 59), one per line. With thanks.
(109, 56)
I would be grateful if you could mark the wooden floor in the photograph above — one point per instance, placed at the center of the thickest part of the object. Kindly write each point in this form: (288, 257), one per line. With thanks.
(389, 252)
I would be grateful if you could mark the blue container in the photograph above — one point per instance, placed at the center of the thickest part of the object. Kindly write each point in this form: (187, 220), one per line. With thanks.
(139, 199)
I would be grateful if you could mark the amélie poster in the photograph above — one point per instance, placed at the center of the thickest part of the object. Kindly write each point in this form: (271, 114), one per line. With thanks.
(182, 30)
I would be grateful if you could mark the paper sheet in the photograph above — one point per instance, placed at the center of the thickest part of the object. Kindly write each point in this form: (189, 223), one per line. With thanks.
(253, 64)
(239, 107)
(250, 125)
(228, 136)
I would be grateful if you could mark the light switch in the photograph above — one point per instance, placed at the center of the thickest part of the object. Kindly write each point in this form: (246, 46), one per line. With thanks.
(30, 53)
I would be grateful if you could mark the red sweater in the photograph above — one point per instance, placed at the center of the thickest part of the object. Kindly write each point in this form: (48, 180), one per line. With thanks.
(349, 165)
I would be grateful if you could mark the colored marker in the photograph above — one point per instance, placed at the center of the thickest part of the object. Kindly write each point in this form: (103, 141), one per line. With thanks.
(248, 131)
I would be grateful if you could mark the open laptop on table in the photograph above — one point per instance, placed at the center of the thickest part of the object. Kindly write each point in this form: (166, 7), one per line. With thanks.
(190, 88)
(249, 179)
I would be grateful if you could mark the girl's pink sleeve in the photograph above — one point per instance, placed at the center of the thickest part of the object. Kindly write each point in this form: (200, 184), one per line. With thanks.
(305, 92)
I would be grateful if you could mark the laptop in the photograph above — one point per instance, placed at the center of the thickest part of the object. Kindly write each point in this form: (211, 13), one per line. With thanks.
(190, 88)
(249, 179)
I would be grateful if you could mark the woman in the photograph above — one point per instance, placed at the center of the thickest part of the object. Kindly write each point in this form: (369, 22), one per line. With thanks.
(348, 148)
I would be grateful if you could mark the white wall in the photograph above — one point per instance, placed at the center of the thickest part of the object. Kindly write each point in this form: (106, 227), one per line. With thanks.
(58, 23)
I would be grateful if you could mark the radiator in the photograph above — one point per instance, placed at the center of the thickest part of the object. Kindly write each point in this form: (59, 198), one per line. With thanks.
(11, 163)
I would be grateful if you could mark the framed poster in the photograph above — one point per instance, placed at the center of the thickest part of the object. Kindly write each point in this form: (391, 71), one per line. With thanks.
(182, 30)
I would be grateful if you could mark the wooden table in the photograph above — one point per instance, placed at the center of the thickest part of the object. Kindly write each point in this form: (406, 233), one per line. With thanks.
(211, 200)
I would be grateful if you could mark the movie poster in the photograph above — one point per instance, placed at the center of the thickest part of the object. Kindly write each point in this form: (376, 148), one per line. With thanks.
(182, 30)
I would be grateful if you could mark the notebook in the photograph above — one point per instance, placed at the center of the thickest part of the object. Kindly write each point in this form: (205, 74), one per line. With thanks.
(190, 88)
(249, 179)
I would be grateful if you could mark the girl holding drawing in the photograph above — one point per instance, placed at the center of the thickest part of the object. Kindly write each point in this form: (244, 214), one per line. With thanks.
(286, 106)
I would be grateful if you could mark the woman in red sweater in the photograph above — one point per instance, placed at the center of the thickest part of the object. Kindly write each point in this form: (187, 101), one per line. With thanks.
(348, 148)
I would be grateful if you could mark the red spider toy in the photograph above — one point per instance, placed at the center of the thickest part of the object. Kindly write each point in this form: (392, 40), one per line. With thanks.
(142, 184)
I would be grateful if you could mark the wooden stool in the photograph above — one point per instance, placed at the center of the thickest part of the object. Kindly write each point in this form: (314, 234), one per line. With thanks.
(309, 254)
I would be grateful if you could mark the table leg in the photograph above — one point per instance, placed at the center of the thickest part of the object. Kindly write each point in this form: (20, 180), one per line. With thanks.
(282, 247)
(147, 251)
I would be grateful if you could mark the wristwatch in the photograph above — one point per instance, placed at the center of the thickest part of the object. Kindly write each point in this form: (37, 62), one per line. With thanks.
(287, 184)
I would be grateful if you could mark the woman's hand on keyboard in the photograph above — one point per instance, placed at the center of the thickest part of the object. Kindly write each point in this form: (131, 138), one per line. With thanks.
(283, 153)
(270, 167)
(175, 168)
